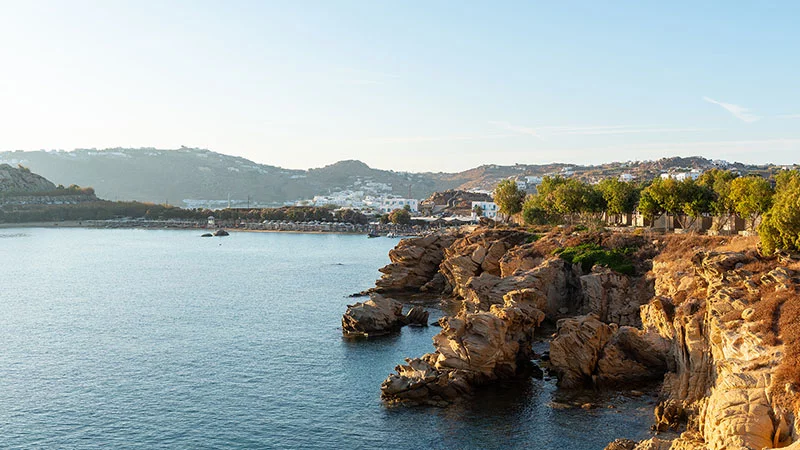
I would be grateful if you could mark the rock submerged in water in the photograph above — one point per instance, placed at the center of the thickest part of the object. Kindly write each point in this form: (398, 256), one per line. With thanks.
(380, 315)
(376, 316)
(221, 232)
(417, 317)
(206, 235)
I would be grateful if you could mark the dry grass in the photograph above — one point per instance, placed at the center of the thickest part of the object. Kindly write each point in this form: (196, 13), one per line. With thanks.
(788, 372)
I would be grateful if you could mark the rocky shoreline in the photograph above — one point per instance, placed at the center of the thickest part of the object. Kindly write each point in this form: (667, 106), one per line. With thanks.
(709, 317)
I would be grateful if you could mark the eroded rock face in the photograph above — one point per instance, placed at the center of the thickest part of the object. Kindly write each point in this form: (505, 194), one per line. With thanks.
(614, 297)
(549, 285)
(589, 352)
(415, 263)
(376, 316)
(721, 367)
(477, 253)
(471, 349)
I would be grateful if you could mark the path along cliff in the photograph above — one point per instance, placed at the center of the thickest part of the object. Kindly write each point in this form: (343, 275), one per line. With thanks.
(718, 323)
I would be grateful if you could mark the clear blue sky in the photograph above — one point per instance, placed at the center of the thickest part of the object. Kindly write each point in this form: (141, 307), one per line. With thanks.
(434, 85)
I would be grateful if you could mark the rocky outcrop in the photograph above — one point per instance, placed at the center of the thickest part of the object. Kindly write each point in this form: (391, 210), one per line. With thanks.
(21, 180)
(415, 263)
(376, 316)
(614, 297)
(588, 352)
(380, 315)
(722, 363)
(550, 286)
(472, 349)
(477, 253)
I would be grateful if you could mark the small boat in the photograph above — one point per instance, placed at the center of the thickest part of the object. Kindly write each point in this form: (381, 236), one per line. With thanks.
(373, 235)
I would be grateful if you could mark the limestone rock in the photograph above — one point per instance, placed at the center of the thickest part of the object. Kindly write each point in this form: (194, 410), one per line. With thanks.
(615, 297)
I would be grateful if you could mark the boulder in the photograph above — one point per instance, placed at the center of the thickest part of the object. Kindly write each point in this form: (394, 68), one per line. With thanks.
(417, 316)
(376, 316)
(576, 349)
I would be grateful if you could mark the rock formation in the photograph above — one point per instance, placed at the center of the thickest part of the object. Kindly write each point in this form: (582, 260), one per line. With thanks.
(376, 316)
(476, 253)
(722, 381)
(415, 263)
(380, 315)
(471, 349)
(717, 326)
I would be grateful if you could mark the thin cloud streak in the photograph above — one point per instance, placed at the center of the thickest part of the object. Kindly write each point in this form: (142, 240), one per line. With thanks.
(788, 116)
(740, 112)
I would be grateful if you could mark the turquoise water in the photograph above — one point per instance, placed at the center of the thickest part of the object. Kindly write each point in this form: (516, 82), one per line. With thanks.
(163, 339)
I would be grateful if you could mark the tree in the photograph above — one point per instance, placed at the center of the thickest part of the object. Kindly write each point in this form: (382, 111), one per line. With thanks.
(477, 210)
(533, 213)
(751, 197)
(508, 198)
(719, 182)
(400, 217)
(780, 229)
(620, 197)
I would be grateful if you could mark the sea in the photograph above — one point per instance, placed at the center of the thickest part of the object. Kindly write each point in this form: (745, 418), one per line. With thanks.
(149, 339)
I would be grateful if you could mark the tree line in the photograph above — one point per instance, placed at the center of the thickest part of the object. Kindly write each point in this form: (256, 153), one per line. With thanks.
(719, 193)
(105, 210)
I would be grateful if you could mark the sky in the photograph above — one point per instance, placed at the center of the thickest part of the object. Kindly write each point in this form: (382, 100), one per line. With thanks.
(417, 86)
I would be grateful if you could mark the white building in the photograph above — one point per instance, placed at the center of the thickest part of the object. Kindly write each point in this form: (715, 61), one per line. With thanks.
(626, 177)
(533, 180)
(488, 209)
(681, 176)
(389, 204)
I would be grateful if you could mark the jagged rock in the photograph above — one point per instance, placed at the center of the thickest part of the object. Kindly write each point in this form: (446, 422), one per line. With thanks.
(376, 316)
(476, 253)
(471, 349)
(630, 357)
(621, 444)
(577, 347)
(615, 297)
(414, 263)
(548, 285)
(417, 316)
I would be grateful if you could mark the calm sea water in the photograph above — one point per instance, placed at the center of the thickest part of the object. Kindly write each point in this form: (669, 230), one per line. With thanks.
(163, 339)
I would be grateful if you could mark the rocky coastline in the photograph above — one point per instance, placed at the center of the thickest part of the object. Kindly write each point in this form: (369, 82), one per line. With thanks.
(707, 317)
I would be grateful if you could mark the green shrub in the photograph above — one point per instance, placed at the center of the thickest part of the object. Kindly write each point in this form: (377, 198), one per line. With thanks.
(589, 255)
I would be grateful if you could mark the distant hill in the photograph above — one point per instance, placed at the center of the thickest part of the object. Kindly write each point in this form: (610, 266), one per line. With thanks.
(20, 180)
(172, 176)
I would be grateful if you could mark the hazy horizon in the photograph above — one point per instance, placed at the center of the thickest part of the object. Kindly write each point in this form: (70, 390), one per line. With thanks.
(420, 88)
(565, 162)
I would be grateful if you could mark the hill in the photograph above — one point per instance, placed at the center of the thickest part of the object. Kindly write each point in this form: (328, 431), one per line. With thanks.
(198, 177)
(20, 180)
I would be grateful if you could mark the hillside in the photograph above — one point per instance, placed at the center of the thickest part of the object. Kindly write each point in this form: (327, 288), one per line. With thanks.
(180, 176)
(20, 180)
